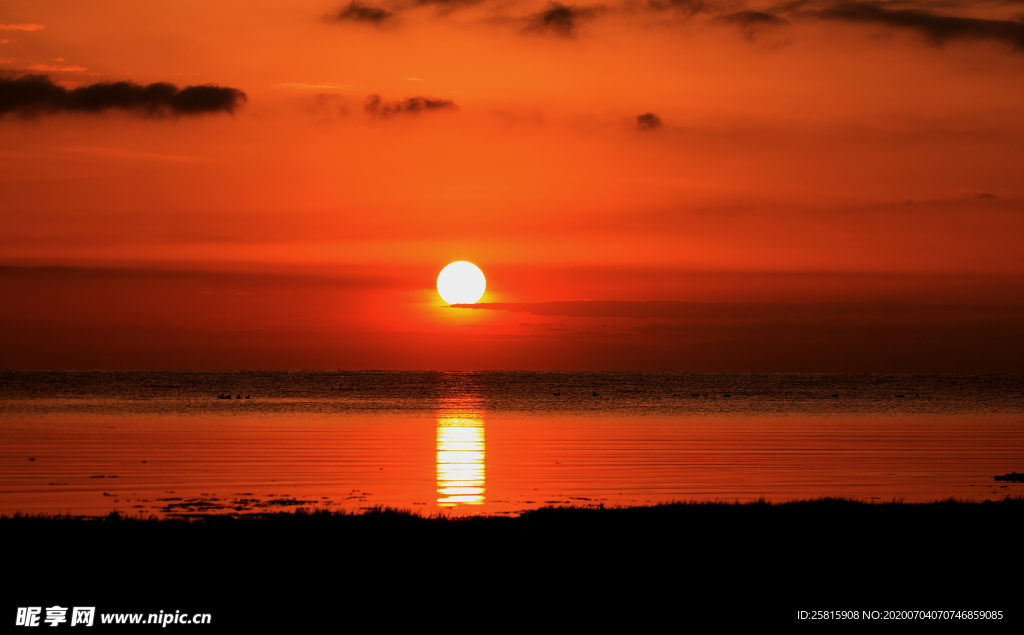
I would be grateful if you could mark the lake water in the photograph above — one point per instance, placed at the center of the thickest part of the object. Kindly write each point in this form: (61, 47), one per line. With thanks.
(164, 443)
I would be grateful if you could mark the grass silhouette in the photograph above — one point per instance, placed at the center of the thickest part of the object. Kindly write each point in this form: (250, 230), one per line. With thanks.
(757, 559)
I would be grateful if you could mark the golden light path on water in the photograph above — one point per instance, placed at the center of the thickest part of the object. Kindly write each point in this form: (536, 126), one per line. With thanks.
(177, 455)
(460, 460)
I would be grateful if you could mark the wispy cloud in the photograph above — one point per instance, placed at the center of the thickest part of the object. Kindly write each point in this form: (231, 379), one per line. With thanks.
(21, 27)
(751, 23)
(446, 6)
(134, 155)
(686, 7)
(320, 86)
(59, 68)
(750, 312)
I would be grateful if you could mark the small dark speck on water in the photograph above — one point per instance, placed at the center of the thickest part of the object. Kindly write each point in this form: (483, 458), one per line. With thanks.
(31, 458)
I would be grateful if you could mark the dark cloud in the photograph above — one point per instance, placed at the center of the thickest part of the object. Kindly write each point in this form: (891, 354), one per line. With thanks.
(359, 12)
(936, 28)
(414, 105)
(648, 121)
(558, 19)
(35, 94)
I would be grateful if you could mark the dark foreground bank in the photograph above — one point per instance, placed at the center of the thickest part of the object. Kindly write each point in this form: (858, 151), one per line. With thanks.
(690, 562)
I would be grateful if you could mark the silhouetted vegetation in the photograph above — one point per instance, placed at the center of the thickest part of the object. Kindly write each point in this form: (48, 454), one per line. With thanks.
(1012, 477)
(750, 559)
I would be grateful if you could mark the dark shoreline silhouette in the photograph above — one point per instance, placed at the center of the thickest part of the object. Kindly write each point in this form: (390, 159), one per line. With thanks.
(823, 504)
(760, 561)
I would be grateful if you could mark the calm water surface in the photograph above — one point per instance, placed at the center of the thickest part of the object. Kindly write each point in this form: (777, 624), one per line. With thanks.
(164, 443)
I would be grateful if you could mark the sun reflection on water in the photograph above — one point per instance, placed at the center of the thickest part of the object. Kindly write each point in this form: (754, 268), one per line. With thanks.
(460, 458)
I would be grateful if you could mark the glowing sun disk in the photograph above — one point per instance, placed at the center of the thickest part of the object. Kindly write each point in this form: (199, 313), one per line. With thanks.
(461, 283)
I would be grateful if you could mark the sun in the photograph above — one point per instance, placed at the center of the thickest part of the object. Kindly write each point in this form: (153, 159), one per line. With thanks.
(461, 283)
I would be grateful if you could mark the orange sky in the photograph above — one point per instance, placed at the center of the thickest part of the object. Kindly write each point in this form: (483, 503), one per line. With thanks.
(822, 186)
